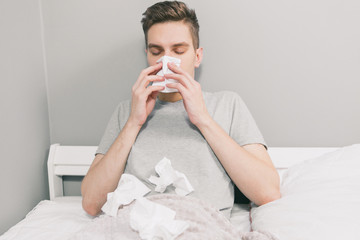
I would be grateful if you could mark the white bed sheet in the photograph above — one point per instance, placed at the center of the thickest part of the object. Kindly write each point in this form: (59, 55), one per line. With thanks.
(240, 217)
(320, 199)
(58, 219)
(61, 218)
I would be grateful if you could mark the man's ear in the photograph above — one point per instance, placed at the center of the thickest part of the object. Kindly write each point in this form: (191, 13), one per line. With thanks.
(146, 51)
(198, 56)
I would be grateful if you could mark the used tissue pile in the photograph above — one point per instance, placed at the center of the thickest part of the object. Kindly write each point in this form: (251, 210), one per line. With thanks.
(148, 218)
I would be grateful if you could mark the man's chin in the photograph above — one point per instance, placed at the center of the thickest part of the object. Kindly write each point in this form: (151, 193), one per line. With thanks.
(169, 96)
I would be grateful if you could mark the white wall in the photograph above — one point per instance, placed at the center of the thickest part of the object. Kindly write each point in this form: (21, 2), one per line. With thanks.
(24, 123)
(295, 63)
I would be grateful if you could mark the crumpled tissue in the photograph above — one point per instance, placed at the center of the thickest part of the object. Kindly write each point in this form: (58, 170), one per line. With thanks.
(165, 70)
(168, 176)
(155, 221)
(128, 189)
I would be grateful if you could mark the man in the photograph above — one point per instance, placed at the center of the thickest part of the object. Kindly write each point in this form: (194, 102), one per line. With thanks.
(210, 137)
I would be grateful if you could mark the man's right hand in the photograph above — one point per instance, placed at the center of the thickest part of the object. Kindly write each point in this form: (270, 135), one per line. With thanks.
(144, 96)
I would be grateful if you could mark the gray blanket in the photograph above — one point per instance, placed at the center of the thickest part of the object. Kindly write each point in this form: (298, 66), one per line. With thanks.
(205, 222)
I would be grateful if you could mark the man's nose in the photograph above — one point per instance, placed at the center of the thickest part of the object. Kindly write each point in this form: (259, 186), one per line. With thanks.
(168, 53)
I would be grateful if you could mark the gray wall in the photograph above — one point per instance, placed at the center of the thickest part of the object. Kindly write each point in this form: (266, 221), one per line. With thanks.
(295, 63)
(24, 123)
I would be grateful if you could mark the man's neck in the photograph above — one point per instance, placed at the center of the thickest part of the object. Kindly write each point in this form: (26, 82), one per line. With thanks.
(170, 97)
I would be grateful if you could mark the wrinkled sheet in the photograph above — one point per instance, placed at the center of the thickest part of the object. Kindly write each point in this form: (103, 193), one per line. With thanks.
(55, 220)
(62, 218)
(205, 222)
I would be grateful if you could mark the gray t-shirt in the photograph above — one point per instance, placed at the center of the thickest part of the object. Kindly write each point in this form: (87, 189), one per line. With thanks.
(169, 133)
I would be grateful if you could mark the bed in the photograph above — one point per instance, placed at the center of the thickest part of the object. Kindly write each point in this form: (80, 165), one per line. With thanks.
(320, 197)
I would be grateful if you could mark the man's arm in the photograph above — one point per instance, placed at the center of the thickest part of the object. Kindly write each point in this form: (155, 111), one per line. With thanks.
(250, 166)
(106, 170)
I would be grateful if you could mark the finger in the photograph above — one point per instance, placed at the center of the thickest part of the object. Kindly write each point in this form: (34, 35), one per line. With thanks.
(152, 69)
(153, 95)
(160, 64)
(147, 71)
(181, 78)
(177, 86)
(151, 78)
(149, 90)
(179, 70)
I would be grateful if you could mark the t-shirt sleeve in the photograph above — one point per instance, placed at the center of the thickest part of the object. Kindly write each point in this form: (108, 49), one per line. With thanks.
(111, 132)
(243, 128)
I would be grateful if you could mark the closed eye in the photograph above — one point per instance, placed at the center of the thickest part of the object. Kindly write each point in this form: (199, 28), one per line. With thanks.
(155, 53)
(180, 51)
(155, 49)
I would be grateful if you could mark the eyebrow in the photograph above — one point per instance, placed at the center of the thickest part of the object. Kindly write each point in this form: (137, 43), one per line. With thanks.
(151, 45)
(181, 44)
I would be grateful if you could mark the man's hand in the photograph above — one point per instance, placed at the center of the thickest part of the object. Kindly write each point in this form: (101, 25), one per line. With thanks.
(144, 96)
(191, 93)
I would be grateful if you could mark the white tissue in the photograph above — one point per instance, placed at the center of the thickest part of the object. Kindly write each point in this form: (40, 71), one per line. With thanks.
(128, 189)
(168, 176)
(155, 221)
(165, 70)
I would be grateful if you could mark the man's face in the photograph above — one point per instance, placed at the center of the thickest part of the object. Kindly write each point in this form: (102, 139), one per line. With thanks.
(173, 39)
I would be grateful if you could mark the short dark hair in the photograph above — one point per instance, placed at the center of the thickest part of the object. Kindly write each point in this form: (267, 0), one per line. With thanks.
(171, 11)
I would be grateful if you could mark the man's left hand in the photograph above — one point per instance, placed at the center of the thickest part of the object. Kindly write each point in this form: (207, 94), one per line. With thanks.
(191, 93)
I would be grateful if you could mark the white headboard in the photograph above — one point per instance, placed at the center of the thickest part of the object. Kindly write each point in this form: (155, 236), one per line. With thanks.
(76, 160)
(67, 161)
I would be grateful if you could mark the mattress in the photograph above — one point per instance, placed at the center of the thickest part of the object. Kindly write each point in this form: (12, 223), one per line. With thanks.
(64, 216)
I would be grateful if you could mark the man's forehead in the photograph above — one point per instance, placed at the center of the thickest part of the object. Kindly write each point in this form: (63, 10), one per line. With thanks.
(169, 34)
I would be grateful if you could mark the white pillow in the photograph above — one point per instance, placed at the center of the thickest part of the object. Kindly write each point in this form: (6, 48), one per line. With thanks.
(320, 199)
